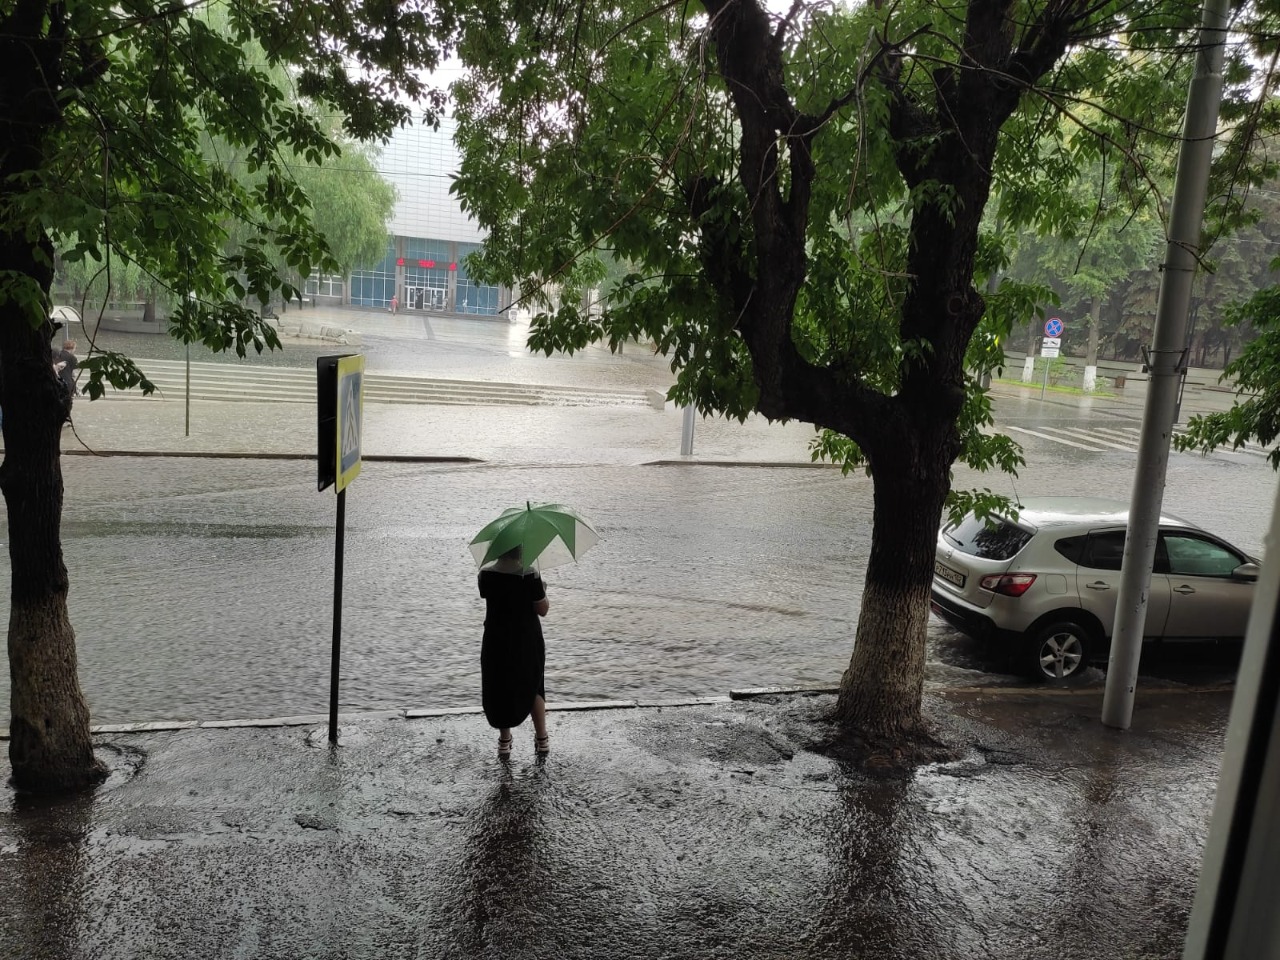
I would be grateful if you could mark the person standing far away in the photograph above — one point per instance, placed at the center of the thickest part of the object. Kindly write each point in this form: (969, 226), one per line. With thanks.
(512, 652)
(395, 303)
(65, 361)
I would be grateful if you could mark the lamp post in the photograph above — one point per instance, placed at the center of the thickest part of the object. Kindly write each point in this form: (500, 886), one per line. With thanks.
(187, 341)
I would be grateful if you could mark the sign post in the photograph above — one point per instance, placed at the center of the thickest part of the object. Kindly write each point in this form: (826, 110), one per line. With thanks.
(339, 406)
(1049, 348)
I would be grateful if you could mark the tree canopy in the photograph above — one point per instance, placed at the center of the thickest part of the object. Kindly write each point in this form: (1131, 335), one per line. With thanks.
(1256, 373)
(107, 113)
(803, 192)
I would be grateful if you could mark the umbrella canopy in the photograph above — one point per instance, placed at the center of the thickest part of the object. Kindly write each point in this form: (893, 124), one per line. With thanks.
(548, 534)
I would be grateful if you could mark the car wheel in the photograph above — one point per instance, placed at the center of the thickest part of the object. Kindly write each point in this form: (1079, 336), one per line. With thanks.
(1060, 651)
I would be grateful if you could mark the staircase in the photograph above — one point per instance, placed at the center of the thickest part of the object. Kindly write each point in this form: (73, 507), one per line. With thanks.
(225, 381)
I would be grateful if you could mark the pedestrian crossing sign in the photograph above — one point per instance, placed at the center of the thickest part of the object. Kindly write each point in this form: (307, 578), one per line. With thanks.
(350, 410)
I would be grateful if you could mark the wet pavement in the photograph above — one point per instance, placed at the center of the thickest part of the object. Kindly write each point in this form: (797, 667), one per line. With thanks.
(423, 345)
(200, 592)
(681, 831)
(201, 588)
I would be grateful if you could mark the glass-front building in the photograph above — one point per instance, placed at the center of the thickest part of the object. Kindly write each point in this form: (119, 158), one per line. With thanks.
(423, 267)
(375, 287)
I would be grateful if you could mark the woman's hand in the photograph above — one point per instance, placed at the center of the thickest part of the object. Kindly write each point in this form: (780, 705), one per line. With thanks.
(540, 607)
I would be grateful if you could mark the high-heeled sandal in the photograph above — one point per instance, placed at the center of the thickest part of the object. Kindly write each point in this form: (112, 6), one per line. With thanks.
(504, 746)
(542, 744)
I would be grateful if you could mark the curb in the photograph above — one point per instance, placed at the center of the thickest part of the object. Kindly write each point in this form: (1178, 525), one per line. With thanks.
(227, 455)
(413, 458)
(583, 706)
(751, 693)
(821, 465)
(317, 719)
(1047, 691)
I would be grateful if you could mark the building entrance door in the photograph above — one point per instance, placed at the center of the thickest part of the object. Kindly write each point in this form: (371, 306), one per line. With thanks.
(414, 297)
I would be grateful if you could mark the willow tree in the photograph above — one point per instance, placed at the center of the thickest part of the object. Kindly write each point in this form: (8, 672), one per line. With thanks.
(105, 111)
(802, 191)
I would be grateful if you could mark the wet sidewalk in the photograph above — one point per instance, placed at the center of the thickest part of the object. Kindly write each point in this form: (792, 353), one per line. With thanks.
(492, 352)
(621, 434)
(712, 830)
(602, 434)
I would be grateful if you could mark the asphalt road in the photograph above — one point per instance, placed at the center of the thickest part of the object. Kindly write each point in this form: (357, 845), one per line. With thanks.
(203, 588)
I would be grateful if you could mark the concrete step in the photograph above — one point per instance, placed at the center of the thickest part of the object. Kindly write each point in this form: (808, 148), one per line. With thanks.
(206, 389)
(213, 381)
(308, 375)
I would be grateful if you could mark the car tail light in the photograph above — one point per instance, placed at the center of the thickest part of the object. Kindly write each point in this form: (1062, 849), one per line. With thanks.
(1009, 584)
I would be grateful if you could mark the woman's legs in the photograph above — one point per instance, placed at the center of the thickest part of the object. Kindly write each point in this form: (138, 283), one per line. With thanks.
(504, 742)
(539, 713)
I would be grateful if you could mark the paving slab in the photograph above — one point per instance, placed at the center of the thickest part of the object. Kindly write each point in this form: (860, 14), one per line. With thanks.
(721, 830)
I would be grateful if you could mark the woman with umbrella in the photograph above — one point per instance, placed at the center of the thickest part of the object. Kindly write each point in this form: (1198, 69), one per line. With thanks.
(513, 653)
(510, 551)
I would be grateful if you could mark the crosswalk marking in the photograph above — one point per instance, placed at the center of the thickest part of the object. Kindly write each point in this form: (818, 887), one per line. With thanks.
(1129, 434)
(1099, 439)
(1045, 436)
(1092, 437)
(1247, 448)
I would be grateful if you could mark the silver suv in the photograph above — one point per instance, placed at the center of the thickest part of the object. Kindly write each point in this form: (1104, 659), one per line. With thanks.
(1045, 584)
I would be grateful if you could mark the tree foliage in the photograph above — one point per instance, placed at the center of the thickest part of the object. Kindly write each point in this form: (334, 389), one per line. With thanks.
(802, 192)
(351, 204)
(1256, 372)
(106, 112)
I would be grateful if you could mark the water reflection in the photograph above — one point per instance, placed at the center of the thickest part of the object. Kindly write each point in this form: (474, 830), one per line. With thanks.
(867, 910)
(1119, 850)
(505, 873)
(43, 891)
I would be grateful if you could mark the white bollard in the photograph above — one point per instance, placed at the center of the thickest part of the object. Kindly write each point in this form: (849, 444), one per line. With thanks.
(686, 432)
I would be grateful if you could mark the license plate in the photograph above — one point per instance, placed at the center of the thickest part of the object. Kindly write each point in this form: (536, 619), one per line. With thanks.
(946, 573)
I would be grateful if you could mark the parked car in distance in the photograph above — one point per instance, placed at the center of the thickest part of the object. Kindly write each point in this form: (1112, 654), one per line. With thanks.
(1044, 584)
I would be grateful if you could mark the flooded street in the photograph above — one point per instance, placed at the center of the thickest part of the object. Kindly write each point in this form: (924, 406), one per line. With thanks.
(202, 588)
(208, 593)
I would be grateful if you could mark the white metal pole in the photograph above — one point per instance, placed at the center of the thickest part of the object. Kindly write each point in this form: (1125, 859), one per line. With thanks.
(686, 432)
(1235, 917)
(1164, 364)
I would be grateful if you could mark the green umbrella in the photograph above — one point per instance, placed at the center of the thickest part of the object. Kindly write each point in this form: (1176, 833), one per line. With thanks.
(548, 535)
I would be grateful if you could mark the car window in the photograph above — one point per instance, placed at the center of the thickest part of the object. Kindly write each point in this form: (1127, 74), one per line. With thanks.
(994, 540)
(1104, 551)
(1071, 547)
(1192, 556)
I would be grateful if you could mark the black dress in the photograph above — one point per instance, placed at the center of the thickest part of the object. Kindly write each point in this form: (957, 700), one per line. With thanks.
(512, 654)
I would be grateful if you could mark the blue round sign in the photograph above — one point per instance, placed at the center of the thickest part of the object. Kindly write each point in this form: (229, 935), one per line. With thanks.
(1053, 327)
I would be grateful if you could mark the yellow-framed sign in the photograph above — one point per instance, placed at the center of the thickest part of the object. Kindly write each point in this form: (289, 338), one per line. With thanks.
(339, 417)
(350, 412)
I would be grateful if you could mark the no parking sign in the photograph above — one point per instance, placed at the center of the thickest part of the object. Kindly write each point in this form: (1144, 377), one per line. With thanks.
(1053, 327)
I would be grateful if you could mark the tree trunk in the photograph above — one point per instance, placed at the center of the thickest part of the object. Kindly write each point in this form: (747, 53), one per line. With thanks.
(50, 748)
(1091, 352)
(880, 692)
